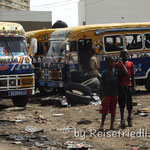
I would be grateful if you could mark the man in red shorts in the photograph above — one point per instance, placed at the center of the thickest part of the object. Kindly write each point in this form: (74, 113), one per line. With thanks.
(126, 86)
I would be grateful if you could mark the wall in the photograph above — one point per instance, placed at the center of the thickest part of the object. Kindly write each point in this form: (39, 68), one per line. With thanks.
(30, 20)
(113, 11)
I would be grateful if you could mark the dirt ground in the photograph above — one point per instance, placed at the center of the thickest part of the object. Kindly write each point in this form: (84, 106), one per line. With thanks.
(53, 127)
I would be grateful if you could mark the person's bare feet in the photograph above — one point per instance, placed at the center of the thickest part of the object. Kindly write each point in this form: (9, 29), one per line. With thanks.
(112, 128)
(101, 127)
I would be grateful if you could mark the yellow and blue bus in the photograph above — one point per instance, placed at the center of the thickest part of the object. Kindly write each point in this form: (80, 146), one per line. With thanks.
(16, 70)
(41, 36)
(105, 39)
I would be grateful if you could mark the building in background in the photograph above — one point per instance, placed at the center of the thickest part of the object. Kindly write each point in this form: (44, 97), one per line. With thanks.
(112, 11)
(14, 4)
(30, 20)
(19, 11)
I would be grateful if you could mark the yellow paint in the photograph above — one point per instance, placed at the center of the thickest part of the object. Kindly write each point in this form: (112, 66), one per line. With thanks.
(88, 32)
(11, 28)
(42, 35)
(24, 82)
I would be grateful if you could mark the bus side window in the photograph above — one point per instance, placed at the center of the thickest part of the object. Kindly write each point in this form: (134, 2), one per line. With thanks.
(133, 41)
(113, 43)
(147, 40)
(73, 47)
(39, 49)
(42, 49)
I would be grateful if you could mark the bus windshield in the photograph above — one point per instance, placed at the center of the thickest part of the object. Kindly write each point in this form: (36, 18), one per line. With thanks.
(57, 48)
(12, 46)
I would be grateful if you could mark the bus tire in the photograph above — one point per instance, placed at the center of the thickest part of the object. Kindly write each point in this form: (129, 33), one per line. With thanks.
(76, 86)
(92, 83)
(20, 101)
(46, 90)
(77, 99)
(147, 84)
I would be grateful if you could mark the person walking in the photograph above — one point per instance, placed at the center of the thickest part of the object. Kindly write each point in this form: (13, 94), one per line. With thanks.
(126, 86)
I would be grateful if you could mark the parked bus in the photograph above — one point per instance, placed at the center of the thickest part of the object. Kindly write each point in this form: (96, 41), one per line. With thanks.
(16, 69)
(41, 38)
(69, 48)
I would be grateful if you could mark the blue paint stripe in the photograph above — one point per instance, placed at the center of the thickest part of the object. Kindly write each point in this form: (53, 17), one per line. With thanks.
(101, 31)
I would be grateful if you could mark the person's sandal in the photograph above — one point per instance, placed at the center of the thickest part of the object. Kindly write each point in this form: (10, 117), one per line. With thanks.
(129, 121)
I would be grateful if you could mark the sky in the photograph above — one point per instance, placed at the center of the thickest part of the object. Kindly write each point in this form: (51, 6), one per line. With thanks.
(65, 10)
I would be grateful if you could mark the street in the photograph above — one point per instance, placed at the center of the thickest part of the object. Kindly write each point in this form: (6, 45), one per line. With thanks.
(44, 125)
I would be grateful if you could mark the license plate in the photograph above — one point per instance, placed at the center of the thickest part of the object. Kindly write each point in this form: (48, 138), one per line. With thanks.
(49, 84)
(15, 93)
(52, 84)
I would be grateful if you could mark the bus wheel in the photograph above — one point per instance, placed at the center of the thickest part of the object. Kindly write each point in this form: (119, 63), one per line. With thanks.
(20, 101)
(46, 90)
(147, 84)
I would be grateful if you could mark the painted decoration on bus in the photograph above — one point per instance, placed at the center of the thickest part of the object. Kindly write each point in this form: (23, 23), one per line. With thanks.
(15, 68)
(12, 28)
(3, 51)
(4, 67)
(63, 33)
(98, 45)
(17, 59)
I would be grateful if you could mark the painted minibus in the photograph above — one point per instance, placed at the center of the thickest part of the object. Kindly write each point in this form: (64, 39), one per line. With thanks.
(37, 52)
(16, 69)
(69, 49)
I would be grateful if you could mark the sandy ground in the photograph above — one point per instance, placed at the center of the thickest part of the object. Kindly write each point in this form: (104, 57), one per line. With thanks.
(55, 131)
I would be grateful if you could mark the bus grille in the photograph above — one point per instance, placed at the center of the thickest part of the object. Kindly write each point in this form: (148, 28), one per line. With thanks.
(11, 82)
(55, 75)
(48, 74)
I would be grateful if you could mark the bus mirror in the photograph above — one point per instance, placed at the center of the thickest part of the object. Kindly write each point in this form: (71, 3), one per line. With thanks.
(67, 48)
(33, 46)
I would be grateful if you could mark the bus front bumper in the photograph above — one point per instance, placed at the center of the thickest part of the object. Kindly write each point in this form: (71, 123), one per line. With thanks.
(55, 84)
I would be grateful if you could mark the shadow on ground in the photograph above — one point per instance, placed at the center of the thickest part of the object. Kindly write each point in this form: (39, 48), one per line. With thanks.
(141, 92)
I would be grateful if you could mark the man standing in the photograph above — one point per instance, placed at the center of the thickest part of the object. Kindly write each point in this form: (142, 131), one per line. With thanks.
(127, 85)
(94, 65)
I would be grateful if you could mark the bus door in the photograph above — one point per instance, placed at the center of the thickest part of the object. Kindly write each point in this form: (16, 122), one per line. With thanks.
(84, 48)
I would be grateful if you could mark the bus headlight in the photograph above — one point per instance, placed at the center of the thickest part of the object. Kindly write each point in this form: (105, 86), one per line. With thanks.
(23, 67)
